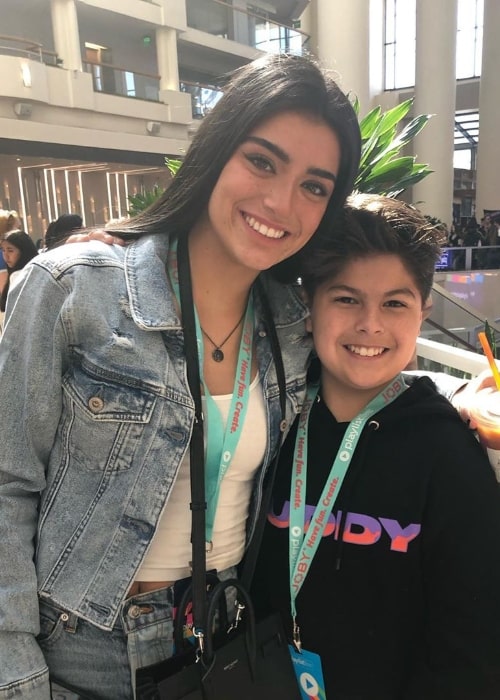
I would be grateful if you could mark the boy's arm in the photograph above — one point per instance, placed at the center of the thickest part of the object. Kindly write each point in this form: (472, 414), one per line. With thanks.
(461, 577)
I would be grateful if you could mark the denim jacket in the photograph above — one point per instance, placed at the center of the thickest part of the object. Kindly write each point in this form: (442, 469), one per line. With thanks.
(96, 417)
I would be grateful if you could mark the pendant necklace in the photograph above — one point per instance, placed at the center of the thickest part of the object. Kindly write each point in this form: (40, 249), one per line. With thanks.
(217, 354)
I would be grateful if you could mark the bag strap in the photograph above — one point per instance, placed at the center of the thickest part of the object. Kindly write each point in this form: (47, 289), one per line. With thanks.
(198, 503)
(250, 560)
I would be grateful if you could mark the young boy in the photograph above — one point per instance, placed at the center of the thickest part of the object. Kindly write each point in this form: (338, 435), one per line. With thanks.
(382, 547)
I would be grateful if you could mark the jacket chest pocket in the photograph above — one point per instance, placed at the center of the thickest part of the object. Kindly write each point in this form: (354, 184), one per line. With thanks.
(105, 421)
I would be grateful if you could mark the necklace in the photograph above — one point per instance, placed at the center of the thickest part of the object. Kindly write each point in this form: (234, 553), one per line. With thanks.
(217, 354)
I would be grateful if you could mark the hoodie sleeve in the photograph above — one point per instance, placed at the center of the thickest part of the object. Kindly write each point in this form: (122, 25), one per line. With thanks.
(461, 571)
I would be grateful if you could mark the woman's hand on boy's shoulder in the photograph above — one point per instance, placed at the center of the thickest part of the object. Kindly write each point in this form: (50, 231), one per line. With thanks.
(96, 235)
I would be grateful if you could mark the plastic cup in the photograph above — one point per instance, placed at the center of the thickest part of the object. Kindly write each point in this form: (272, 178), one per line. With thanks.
(486, 414)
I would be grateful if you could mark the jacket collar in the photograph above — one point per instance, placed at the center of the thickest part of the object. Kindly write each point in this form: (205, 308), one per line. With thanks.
(152, 302)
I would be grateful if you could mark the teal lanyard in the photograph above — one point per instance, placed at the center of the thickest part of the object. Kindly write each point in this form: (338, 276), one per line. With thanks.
(221, 442)
(303, 546)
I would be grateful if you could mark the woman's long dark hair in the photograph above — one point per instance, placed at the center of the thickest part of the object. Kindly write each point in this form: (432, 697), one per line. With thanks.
(28, 250)
(256, 92)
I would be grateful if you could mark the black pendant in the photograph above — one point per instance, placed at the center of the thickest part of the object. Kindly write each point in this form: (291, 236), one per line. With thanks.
(217, 355)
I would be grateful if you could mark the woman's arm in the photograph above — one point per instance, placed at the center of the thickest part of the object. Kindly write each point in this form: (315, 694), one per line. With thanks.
(31, 365)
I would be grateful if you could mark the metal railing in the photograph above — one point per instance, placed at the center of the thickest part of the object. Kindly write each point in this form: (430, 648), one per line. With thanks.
(27, 48)
(258, 30)
(119, 80)
(470, 258)
(447, 357)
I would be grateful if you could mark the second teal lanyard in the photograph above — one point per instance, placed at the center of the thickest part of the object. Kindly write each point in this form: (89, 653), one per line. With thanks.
(302, 545)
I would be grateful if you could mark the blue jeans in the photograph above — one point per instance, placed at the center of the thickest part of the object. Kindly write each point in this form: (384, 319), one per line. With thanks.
(99, 664)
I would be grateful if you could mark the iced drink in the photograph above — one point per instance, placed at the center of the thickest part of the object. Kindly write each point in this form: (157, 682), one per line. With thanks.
(486, 414)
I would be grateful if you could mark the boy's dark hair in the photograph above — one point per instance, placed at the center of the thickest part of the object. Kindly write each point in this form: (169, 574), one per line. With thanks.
(268, 86)
(377, 225)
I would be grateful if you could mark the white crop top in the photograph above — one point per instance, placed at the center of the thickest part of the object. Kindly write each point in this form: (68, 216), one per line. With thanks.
(169, 553)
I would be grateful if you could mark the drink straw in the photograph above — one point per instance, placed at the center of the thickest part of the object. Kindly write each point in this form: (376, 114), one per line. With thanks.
(487, 351)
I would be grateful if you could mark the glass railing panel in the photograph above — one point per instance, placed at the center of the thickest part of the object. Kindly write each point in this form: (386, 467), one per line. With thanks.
(276, 38)
(456, 323)
(434, 356)
(203, 97)
(247, 27)
(470, 258)
(116, 80)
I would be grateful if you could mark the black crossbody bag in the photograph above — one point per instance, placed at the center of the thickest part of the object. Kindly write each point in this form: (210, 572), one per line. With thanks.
(248, 660)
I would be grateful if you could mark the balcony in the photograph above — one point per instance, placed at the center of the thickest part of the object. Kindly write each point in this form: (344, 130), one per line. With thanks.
(118, 80)
(27, 48)
(255, 29)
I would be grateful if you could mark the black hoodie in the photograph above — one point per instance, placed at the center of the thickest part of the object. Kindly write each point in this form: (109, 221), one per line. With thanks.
(403, 598)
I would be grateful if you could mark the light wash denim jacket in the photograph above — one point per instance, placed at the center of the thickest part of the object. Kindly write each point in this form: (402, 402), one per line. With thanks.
(96, 417)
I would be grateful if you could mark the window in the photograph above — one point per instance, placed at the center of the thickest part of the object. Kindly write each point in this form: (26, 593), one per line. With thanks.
(463, 159)
(466, 139)
(469, 38)
(399, 43)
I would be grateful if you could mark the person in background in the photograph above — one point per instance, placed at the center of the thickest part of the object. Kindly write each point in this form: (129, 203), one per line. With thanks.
(9, 221)
(59, 230)
(17, 250)
(94, 476)
(381, 546)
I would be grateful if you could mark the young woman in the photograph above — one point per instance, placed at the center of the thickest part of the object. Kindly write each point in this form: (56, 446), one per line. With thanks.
(17, 250)
(94, 478)
(9, 221)
(383, 534)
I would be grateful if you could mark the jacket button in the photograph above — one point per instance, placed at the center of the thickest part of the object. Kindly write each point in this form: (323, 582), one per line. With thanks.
(134, 611)
(96, 404)
(283, 425)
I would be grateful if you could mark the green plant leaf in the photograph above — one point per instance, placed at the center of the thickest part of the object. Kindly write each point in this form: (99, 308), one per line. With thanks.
(393, 116)
(173, 164)
(369, 122)
(490, 336)
(142, 200)
(383, 170)
(355, 106)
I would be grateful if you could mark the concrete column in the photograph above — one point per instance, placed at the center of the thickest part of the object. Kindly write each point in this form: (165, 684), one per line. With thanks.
(488, 162)
(166, 52)
(435, 90)
(239, 21)
(66, 34)
(341, 38)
